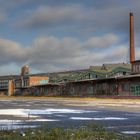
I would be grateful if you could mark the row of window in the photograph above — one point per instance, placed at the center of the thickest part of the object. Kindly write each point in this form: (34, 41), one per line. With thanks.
(26, 83)
(135, 90)
(4, 84)
(18, 83)
(136, 68)
(126, 87)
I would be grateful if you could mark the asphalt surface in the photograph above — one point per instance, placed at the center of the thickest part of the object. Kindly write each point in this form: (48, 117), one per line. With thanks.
(67, 114)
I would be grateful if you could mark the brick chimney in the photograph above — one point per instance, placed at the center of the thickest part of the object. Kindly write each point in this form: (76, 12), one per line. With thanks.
(132, 47)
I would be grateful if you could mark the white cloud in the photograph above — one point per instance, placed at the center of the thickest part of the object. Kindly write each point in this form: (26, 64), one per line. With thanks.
(53, 54)
(103, 41)
(118, 54)
(11, 50)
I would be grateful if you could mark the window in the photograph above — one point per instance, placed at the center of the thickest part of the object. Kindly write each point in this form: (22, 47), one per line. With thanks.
(137, 66)
(134, 68)
(4, 83)
(18, 83)
(26, 83)
(125, 87)
(135, 90)
(124, 73)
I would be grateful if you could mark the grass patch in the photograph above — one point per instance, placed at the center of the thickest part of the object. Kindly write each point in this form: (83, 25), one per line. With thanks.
(90, 132)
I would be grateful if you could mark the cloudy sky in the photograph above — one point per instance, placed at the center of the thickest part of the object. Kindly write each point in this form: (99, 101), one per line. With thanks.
(59, 35)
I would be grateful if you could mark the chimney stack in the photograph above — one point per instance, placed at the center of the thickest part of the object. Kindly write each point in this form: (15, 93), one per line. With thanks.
(132, 47)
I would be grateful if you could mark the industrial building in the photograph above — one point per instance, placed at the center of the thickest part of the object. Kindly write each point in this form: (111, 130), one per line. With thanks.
(104, 71)
(120, 79)
(52, 83)
(13, 83)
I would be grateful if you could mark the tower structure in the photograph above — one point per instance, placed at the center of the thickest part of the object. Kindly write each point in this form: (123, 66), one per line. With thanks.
(132, 47)
(24, 70)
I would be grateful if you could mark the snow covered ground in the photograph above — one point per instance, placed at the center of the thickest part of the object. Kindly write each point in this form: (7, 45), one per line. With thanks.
(22, 113)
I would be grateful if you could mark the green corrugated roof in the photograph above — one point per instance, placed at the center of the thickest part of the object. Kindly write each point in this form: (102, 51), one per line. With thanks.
(95, 67)
(114, 66)
(101, 71)
(109, 67)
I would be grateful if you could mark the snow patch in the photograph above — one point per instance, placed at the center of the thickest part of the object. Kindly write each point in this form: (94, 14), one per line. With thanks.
(34, 112)
(17, 124)
(42, 120)
(12, 127)
(16, 112)
(97, 119)
(130, 132)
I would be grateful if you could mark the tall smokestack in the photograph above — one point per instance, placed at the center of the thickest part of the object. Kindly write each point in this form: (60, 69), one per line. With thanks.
(132, 47)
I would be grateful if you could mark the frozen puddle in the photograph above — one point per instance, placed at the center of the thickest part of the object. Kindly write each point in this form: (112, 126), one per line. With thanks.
(131, 132)
(97, 119)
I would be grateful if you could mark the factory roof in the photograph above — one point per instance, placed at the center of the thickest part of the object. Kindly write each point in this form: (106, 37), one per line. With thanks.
(129, 76)
(9, 77)
(110, 67)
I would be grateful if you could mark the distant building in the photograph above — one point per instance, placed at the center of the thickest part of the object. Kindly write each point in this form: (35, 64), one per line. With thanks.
(110, 70)
(104, 71)
(136, 67)
(119, 79)
(6, 84)
(27, 81)
(11, 83)
(18, 83)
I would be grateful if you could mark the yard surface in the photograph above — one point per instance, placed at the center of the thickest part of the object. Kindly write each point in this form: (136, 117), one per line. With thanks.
(117, 115)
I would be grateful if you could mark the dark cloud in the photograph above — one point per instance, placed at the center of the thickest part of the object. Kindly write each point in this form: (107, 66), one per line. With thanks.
(110, 16)
(45, 16)
(11, 4)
